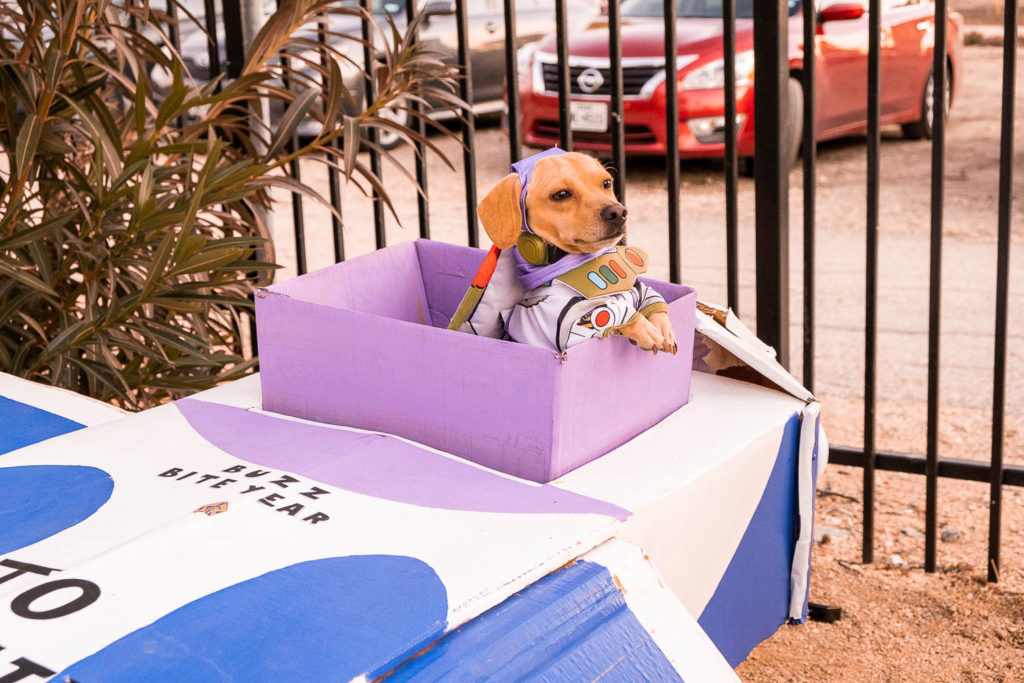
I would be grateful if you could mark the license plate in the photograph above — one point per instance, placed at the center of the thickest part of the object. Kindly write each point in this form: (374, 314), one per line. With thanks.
(590, 117)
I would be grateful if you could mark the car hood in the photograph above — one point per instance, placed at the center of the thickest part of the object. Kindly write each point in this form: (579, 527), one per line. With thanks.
(645, 37)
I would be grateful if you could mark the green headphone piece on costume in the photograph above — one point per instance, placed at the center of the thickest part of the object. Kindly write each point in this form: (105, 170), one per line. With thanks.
(533, 249)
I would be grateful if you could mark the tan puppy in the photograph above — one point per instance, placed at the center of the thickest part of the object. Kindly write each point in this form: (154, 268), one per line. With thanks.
(570, 204)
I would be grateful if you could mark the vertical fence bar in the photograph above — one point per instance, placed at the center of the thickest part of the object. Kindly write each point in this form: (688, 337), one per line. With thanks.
(469, 122)
(1002, 284)
(133, 19)
(871, 276)
(369, 61)
(173, 31)
(234, 46)
(422, 206)
(732, 240)
(213, 44)
(515, 135)
(562, 65)
(298, 216)
(810, 179)
(236, 35)
(771, 187)
(618, 124)
(337, 227)
(935, 286)
(174, 35)
(333, 176)
(672, 141)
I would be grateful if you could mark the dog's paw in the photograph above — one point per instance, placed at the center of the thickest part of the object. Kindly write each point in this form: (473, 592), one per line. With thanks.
(664, 324)
(643, 333)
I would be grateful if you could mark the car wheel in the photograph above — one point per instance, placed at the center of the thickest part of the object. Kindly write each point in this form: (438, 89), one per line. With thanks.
(389, 138)
(795, 121)
(745, 167)
(923, 128)
(793, 131)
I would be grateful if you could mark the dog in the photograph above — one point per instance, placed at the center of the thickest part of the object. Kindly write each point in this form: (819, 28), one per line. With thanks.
(558, 216)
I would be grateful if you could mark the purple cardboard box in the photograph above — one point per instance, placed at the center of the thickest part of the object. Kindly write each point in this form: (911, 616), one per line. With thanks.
(362, 344)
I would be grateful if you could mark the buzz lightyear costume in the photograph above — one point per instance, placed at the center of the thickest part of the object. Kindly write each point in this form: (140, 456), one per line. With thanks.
(568, 298)
(590, 300)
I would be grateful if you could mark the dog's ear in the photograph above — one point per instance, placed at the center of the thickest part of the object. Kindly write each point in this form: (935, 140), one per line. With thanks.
(500, 213)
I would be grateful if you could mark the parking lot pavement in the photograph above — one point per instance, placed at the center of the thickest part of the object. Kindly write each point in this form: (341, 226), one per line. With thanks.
(969, 245)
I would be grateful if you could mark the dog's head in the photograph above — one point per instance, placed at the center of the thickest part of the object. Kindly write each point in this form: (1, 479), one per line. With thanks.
(569, 203)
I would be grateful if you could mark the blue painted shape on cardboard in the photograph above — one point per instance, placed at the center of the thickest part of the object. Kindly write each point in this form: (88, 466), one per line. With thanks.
(39, 501)
(24, 425)
(572, 625)
(328, 619)
(752, 599)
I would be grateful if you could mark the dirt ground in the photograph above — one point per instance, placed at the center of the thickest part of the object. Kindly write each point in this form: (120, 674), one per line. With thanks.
(898, 622)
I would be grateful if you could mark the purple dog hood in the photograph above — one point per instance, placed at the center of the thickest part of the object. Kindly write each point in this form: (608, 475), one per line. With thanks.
(363, 344)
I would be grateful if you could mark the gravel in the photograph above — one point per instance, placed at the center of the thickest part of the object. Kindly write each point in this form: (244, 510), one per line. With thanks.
(950, 535)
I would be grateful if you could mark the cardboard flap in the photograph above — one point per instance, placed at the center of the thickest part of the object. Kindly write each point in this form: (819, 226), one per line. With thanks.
(725, 346)
(446, 271)
(385, 283)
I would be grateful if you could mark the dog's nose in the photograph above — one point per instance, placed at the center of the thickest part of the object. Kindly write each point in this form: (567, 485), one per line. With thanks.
(614, 214)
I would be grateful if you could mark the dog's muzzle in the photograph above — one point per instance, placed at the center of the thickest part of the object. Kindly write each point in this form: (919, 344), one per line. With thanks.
(614, 216)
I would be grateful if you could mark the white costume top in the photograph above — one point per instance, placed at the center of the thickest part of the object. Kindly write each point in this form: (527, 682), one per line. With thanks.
(592, 300)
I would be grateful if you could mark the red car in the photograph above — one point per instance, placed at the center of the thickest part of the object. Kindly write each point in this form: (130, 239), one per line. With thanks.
(841, 48)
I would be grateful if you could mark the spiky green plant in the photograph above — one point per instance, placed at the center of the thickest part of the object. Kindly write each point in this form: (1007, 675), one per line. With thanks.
(130, 231)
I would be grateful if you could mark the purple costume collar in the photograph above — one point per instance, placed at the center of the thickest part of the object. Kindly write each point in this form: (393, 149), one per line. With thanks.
(531, 276)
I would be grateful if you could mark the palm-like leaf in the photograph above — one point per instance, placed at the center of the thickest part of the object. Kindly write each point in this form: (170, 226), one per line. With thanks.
(130, 244)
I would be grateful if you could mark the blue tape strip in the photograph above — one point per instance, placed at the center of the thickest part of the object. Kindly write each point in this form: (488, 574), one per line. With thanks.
(572, 625)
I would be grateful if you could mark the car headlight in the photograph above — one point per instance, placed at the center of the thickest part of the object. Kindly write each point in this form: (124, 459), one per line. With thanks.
(711, 76)
(524, 61)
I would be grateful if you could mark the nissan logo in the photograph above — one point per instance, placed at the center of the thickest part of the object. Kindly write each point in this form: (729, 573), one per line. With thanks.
(590, 80)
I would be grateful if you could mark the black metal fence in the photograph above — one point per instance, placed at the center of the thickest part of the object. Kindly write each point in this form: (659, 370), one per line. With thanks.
(775, 67)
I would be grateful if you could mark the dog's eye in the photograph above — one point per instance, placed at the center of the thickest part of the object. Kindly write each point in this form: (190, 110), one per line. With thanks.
(561, 195)
(607, 184)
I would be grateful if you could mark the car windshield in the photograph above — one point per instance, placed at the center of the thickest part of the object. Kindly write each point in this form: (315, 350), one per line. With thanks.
(690, 9)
